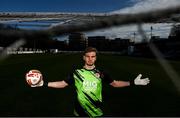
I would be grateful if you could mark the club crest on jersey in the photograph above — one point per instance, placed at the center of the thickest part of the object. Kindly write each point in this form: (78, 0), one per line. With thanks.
(97, 75)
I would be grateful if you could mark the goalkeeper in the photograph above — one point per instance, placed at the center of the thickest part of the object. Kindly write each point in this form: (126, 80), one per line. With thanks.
(88, 84)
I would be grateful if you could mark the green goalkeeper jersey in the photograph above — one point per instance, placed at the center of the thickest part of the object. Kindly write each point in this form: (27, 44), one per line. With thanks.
(88, 86)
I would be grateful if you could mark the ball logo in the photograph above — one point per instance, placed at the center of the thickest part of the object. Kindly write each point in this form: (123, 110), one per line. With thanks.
(36, 75)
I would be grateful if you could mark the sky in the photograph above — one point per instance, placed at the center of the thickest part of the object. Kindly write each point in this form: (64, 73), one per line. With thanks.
(62, 5)
(110, 6)
(117, 6)
(127, 32)
(147, 5)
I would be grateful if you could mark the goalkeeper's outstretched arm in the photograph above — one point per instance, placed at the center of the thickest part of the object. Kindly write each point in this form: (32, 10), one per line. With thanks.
(35, 75)
(120, 83)
(56, 84)
(136, 81)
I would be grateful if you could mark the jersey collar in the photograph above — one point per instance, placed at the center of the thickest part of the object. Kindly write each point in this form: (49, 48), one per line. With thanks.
(89, 69)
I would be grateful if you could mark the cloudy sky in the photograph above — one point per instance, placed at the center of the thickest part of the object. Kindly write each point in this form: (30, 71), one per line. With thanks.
(110, 6)
(146, 5)
(159, 29)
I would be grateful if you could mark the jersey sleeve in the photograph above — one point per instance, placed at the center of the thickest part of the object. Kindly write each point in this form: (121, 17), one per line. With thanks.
(69, 79)
(106, 77)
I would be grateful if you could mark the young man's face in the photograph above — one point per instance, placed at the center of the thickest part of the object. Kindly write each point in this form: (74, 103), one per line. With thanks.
(90, 58)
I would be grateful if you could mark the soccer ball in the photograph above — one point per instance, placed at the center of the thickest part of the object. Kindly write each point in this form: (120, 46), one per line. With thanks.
(33, 77)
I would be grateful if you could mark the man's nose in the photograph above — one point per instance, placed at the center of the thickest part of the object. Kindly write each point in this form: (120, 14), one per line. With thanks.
(90, 58)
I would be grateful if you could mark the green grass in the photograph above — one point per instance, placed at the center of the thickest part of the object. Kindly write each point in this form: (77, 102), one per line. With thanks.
(159, 98)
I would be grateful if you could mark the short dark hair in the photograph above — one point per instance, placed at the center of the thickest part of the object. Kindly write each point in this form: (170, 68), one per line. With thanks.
(90, 49)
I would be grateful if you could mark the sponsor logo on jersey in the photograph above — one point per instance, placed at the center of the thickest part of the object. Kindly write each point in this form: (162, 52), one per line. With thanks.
(89, 85)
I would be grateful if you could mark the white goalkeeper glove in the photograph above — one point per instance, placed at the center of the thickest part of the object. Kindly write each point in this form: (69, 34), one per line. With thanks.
(139, 81)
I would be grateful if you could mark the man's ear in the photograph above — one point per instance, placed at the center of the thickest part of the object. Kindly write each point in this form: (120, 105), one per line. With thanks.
(83, 57)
